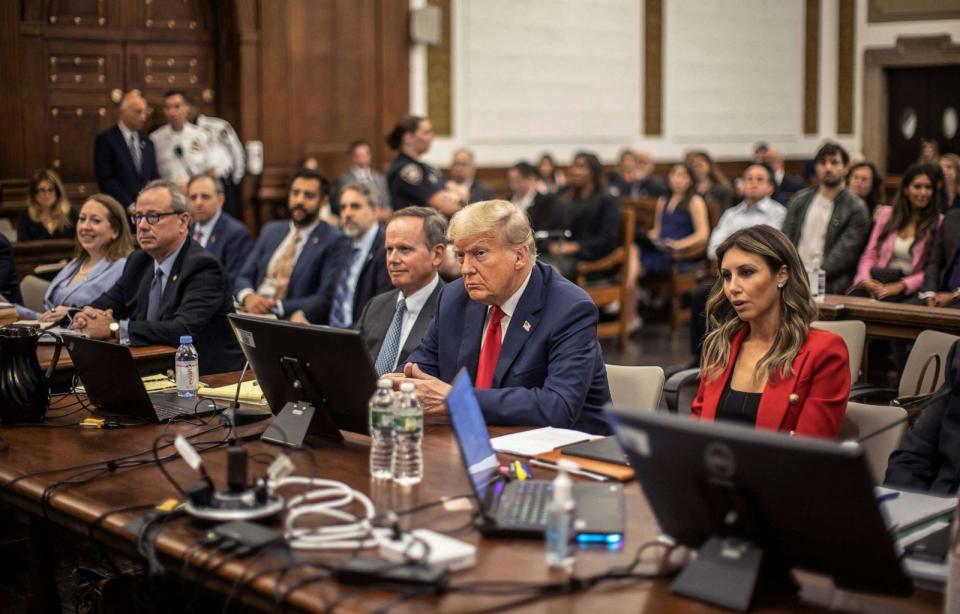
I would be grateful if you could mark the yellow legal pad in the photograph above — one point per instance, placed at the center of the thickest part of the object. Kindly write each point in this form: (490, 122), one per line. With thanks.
(250, 392)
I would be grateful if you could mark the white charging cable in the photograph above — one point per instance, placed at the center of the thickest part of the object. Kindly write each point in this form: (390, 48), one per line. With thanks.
(326, 500)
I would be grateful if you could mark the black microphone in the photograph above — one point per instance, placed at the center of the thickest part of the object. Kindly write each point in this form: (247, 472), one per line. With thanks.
(236, 415)
(178, 152)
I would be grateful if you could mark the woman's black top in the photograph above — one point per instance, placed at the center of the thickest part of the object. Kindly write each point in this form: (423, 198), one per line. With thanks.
(28, 230)
(736, 406)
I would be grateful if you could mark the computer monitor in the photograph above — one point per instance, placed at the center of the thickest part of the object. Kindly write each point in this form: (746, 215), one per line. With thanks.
(316, 379)
(743, 495)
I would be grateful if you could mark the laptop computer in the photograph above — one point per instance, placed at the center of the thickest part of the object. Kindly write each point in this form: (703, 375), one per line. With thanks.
(605, 450)
(112, 383)
(519, 508)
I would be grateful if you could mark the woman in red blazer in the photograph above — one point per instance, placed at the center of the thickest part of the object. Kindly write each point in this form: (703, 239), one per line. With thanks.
(762, 364)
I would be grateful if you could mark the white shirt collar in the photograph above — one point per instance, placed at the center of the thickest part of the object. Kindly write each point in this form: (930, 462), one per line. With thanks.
(127, 133)
(365, 241)
(207, 227)
(418, 299)
(305, 231)
(510, 305)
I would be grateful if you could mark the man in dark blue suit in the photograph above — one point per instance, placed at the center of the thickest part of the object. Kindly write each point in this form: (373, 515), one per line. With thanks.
(125, 161)
(215, 230)
(171, 287)
(294, 264)
(526, 335)
(364, 271)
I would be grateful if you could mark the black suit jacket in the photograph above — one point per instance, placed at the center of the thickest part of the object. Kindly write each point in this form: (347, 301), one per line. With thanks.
(847, 234)
(9, 285)
(373, 280)
(116, 172)
(937, 273)
(788, 186)
(929, 457)
(480, 191)
(378, 315)
(230, 243)
(195, 302)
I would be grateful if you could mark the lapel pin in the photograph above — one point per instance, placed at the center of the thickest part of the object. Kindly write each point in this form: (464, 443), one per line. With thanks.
(315, 240)
(526, 326)
(174, 278)
(794, 398)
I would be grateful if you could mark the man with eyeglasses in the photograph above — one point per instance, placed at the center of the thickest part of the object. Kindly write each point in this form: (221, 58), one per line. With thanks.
(169, 288)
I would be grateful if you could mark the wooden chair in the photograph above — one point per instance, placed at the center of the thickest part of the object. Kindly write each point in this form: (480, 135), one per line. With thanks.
(614, 290)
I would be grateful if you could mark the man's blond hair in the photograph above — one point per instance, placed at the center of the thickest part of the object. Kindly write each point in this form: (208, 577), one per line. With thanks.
(497, 218)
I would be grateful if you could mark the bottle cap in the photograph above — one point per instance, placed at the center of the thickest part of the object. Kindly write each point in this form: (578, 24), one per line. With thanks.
(407, 387)
(562, 485)
(384, 382)
(186, 340)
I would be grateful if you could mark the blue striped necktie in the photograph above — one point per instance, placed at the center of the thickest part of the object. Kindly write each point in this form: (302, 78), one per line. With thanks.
(390, 349)
(340, 317)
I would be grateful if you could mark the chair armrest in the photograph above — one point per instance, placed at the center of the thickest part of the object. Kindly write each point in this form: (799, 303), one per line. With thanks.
(671, 388)
(863, 390)
(611, 260)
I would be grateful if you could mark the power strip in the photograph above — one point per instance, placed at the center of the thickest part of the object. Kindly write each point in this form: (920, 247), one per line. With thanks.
(443, 551)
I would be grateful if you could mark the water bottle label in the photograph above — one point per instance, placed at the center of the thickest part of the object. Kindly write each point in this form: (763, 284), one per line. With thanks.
(381, 419)
(408, 424)
(187, 376)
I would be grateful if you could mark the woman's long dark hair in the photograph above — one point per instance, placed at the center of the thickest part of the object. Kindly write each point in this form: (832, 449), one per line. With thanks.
(686, 197)
(875, 197)
(596, 173)
(405, 125)
(928, 218)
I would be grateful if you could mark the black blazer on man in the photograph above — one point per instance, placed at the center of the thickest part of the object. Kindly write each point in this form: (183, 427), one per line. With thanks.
(378, 315)
(847, 234)
(195, 302)
(929, 457)
(116, 172)
(941, 258)
(373, 280)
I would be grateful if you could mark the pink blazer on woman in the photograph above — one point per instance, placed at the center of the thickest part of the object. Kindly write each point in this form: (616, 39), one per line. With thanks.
(879, 256)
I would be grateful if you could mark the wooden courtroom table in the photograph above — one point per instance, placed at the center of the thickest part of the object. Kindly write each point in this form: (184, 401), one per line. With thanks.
(149, 359)
(890, 320)
(33, 449)
(28, 254)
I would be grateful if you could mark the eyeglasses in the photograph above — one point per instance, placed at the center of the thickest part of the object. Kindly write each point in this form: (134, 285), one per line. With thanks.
(152, 218)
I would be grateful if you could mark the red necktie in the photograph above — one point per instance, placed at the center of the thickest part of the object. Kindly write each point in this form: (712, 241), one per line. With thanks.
(490, 353)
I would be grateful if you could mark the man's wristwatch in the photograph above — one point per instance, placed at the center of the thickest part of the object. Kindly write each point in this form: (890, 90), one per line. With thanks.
(925, 295)
(114, 330)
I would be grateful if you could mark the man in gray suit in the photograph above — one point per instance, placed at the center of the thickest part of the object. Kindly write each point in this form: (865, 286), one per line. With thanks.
(392, 323)
(361, 171)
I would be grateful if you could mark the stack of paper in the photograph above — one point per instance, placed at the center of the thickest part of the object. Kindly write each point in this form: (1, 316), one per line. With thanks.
(908, 509)
(250, 392)
(538, 441)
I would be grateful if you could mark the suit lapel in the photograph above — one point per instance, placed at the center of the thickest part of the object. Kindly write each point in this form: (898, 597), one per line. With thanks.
(473, 317)
(170, 291)
(305, 261)
(713, 391)
(422, 322)
(775, 400)
(522, 323)
(125, 150)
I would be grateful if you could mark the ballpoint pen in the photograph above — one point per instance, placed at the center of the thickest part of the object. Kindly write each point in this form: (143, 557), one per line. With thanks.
(581, 472)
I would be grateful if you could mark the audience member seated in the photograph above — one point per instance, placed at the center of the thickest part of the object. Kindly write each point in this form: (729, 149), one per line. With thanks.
(928, 460)
(183, 150)
(103, 244)
(124, 160)
(929, 151)
(827, 223)
(708, 180)
(463, 180)
(865, 183)
(763, 365)
(950, 165)
(216, 230)
(941, 279)
(49, 214)
(411, 181)
(173, 287)
(634, 179)
(590, 214)
(681, 225)
(552, 178)
(786, 184)
(541, 209)
(526, 335)
(363, 272)
(892, 265)
(9, 284)
(294, 264)
(361, 171)
(757, 207)
(393, 323)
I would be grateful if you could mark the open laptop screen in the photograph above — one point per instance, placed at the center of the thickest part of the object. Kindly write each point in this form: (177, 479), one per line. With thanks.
(471, 431)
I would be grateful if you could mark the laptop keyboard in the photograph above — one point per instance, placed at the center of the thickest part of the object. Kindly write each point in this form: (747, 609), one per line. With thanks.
(169, 411)
(525, 504)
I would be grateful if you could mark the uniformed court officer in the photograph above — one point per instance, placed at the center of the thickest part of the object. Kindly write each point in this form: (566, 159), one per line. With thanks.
(411, 181)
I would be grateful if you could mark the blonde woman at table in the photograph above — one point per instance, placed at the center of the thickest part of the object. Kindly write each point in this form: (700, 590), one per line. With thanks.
(892, 265)
(763, 366)
(103, 244)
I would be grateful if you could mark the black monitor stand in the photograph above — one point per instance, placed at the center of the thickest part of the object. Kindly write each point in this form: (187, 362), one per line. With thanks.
(727, 569)
(308, 415)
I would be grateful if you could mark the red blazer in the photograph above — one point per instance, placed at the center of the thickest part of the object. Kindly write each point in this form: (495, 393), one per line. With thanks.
(812, 401)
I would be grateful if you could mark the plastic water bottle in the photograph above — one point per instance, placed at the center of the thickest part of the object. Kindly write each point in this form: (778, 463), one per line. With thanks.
(560, 513)
(818, 280)
(187, 368)
(381, 430)
(408, 434)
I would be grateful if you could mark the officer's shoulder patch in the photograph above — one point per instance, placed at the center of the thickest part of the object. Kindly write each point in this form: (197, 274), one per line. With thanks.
(412, 174)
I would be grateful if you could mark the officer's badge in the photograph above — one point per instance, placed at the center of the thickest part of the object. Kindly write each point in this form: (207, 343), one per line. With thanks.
(195, 146)
(412, 174)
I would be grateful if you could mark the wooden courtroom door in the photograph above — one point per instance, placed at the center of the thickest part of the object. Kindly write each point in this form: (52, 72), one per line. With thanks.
(924, 103)
(82, 55)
